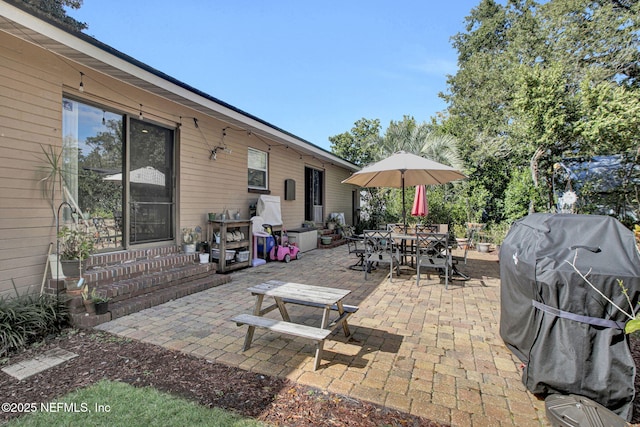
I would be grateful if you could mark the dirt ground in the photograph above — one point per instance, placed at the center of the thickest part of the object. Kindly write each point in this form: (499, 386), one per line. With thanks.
(276, 401)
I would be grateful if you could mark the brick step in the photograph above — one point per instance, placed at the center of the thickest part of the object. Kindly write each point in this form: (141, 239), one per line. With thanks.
(125, 288)
(155, 297)
(104, 274)
(118, 257)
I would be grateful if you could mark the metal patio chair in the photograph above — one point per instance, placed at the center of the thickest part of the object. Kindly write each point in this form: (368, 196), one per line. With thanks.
(380, 248)
(434, 253)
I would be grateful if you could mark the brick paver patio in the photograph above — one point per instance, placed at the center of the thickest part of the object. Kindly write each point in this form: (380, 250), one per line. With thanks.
(424, 350)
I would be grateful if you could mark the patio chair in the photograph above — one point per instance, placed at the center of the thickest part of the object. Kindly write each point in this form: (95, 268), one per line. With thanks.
(355, 246)
(434, 253)
(426, 228)
(380, 248)
(410, 248)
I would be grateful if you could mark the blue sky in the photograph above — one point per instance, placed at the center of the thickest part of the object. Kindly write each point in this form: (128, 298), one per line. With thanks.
(311, 68)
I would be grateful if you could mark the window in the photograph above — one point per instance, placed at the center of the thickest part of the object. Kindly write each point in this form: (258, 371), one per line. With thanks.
(258, 171)
(135, 204)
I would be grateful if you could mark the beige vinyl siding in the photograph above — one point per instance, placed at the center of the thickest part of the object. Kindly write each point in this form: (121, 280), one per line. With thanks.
(33, 82)
(338, 196)
(29, 117)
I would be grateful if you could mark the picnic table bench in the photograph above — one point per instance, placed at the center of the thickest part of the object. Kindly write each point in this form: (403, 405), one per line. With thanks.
(328, 299)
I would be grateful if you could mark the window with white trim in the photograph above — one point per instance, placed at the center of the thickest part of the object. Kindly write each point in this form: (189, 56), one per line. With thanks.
(257, 162)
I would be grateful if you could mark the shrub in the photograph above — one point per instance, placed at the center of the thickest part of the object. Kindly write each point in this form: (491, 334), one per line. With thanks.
(27, 318)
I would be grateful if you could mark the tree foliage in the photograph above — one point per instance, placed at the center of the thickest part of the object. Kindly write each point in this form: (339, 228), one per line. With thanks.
(355, 146)
(544, 82)
(54, 9)
(538, 83)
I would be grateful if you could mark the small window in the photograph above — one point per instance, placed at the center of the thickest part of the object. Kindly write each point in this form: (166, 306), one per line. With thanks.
(258, 169)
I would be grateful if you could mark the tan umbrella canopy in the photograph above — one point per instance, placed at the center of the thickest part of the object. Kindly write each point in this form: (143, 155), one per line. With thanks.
(404, 169)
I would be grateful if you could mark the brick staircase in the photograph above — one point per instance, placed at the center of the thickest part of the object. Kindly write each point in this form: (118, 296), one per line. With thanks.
(139, 279)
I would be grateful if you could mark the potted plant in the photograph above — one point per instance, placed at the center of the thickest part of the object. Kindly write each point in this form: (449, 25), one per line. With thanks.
(75, 247)
(189, 238)
(101, 303)
(94, 303)
(333, 222)
(55, 179)
(460, 234)
(483, 246)
(326, 240)
(204, 253)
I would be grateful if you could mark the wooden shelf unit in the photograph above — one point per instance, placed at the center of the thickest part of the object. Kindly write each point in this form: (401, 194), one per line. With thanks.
(224, 227)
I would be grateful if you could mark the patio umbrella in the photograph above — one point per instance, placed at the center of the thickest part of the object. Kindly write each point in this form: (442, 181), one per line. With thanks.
(420, 203)
(402, 169)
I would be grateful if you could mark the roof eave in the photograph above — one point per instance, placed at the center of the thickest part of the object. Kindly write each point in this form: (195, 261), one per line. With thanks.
(92, 53)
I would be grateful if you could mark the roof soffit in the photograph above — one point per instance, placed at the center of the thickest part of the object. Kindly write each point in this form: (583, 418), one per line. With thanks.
(93, 54)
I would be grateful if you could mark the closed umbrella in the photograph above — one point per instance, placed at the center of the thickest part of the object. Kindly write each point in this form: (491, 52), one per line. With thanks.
(402, 169)
(420, 203)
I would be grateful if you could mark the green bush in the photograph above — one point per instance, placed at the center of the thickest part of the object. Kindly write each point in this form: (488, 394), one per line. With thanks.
(27, 318)
(520, 195)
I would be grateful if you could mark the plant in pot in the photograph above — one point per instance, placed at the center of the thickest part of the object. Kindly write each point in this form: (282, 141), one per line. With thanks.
(484, 239)
(101, 303)
(75, 247)
(333, 222)
(189, 238)
(204, 253)
(326, 240)
(54, 181)
(94, 303)
(460, 234)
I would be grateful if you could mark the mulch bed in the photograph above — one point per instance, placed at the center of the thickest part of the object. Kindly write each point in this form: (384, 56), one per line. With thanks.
(281, 402)
(105, 356)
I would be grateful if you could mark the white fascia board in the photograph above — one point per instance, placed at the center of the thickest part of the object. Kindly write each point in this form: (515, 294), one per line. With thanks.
(58, 35)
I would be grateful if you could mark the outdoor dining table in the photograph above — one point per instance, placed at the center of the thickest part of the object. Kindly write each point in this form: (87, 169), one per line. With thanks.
(329, 300)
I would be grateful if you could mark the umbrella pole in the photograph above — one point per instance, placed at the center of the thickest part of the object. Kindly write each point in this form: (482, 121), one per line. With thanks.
(404, 209)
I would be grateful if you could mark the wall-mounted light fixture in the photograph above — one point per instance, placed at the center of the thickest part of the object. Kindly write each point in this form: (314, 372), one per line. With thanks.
(140, 116)
(214, 152)
(81, 87)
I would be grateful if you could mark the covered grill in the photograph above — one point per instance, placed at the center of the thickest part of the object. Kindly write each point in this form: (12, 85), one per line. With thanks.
(570, 339)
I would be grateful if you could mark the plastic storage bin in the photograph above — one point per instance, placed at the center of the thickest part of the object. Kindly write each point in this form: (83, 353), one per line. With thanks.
(242, 256)
(229, 256)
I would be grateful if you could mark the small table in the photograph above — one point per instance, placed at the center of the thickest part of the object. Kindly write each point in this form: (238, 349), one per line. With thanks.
(328, 299)
(296, 293)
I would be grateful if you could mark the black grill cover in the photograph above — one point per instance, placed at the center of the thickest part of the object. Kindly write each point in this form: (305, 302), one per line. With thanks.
(566, 334)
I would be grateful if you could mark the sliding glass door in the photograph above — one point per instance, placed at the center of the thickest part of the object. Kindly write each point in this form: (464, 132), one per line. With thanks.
(151, 201)
(119, 176)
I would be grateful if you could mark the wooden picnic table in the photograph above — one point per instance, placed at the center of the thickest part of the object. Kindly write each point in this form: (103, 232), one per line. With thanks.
(330, 300)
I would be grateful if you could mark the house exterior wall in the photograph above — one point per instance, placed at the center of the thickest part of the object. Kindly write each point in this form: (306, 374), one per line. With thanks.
(33, 82)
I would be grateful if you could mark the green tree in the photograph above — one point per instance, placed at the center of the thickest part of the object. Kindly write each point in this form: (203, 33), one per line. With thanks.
(355, 146)
(539, 82)
(54, 9)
